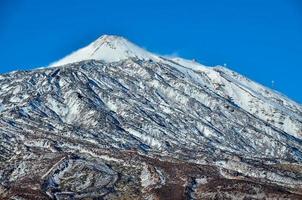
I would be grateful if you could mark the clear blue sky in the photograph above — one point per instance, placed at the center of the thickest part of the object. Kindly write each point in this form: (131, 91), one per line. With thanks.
(261, 39)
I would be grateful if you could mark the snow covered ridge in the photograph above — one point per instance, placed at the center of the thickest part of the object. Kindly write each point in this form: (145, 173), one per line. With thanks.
(114, 121)
(254, 98)
(109, 49)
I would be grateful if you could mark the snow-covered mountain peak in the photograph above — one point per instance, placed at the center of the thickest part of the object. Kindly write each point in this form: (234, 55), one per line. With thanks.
(138, 128)
(109, 48)
(112, 48)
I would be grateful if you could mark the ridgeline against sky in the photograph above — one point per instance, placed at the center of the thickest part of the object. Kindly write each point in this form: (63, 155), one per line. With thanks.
(260, 39)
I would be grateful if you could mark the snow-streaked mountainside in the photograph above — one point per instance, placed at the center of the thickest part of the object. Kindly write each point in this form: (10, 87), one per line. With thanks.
(114, 121)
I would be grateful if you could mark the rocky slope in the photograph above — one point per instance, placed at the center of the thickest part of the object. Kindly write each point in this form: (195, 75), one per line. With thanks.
(113, 121)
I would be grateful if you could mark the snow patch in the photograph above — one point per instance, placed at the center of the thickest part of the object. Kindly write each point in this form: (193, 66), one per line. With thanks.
(202, 181)
(146, 177)
(1, 107)
(145, 138)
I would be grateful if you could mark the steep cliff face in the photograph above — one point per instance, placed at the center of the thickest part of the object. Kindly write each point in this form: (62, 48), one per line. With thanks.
(114, 121)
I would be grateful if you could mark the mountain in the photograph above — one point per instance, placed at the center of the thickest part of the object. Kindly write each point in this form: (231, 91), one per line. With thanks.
(114, 121)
